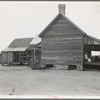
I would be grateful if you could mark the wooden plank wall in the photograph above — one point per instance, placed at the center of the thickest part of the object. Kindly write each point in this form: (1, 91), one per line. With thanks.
(38, 54)
(62, 44)
(4, 57)
(7, 57)
(10, 57)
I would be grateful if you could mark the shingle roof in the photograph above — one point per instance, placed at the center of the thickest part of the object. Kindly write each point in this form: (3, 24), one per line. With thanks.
(20, 42)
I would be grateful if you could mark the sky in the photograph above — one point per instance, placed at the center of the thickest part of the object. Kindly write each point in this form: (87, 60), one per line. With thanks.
(21, 19)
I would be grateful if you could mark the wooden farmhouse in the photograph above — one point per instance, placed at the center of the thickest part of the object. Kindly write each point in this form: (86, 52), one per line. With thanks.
(16, 51)
(64, 44)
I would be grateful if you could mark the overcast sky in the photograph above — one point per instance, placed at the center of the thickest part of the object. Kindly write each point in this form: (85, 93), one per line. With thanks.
(27, 19)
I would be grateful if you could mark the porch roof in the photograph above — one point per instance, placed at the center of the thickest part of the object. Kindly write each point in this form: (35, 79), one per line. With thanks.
(14, 49)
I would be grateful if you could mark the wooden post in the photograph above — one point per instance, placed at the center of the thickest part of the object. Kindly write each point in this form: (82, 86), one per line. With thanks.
(26, 57)
(83, 53)
(2, 59)
(34, 54)
(19, 56)
(12, 58)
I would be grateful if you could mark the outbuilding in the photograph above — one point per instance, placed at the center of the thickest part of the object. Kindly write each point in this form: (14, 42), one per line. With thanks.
(15, 53)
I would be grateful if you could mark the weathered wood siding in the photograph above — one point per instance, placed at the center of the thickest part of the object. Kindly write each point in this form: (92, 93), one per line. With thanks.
(10, 56)
(62, 44)
(4, 57)
(7, 57)
(38, 54)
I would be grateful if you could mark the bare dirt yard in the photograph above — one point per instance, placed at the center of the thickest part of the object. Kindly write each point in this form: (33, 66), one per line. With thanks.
(22, 80)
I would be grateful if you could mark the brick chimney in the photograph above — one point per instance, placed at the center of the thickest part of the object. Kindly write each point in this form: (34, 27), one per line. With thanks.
(61, 8)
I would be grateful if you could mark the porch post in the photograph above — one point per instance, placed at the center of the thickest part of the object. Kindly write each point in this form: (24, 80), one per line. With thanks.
(19, 56)
(26, 57)
(12, 58)
(34, 55)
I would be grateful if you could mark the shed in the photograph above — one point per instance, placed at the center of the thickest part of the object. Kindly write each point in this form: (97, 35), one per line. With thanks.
(15, 53)
(63, 43)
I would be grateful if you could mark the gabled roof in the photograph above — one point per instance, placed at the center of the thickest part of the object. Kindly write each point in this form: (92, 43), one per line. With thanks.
(20, 42)
(70, 22)
(55, 19)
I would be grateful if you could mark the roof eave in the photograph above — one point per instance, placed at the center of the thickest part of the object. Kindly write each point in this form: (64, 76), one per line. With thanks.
(93, 38)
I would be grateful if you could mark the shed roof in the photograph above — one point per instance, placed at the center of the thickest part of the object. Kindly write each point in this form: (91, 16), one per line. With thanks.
(20, 42)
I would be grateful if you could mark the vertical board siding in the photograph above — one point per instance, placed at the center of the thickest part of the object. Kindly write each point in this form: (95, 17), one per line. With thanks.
(62, 44)
(7, 57)
(4, 57)
(10, 57)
